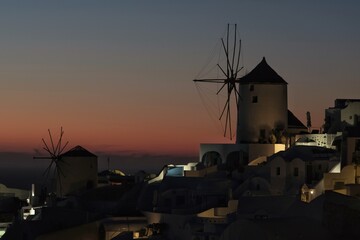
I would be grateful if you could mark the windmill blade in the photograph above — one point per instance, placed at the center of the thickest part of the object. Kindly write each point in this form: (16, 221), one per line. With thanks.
(58, 145)
(60, 173)
(238, 71)
(238, 58)
(54, 154)
(226, 120)
(63, 147)
(47, 170)
(50, 153)
(231, 48)
(56, 172)
(46, 147)
(237, 95)
(58, 167)
(52, 143)
(211, 80)
(222, 113)
(233, 53)
(227, 57)
(227, 75)
(42, 157)
(227, 48)
(221, 88)
(63, 162)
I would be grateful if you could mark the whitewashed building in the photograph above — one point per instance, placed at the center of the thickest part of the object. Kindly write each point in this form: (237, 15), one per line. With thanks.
(78, 171)
(265, 125)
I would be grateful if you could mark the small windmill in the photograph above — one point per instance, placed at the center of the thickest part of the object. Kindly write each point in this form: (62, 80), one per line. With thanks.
(232, 50)
(54, 151)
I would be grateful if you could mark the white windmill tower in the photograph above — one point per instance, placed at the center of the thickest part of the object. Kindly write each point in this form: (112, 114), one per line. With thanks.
(261, 110)
(74, 171)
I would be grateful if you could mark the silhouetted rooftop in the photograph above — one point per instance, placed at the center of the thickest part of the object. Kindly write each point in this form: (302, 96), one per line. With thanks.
(294, 122)
(78, 151)
(342, 103)
(262, 73)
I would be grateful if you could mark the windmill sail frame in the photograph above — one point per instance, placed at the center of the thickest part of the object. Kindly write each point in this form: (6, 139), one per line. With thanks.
(230, 80)
(54, 151)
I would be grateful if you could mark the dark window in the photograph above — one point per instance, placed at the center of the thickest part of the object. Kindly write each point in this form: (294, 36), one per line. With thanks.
(296, 172)
(251, 88)
(254, 99)
(339, 185)
(319, 167)
(278, 171)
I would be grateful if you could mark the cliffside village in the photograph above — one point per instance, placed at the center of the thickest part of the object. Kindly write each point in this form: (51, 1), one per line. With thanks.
(279, 180)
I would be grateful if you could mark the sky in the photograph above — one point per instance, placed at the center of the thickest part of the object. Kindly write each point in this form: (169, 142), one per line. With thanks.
(117, 75)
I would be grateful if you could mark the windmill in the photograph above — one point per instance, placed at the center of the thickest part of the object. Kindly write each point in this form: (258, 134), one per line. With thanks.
(232, 51)
(54, 151)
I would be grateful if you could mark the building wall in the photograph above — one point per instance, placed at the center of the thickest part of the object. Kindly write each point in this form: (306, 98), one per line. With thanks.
(13, 192)
(80, 173)
(250, 151)
(278, 174)
(351, 114)
(290, 176)
(352, 150)
(342, 115)
(177, 225)
(337, 181)
(260, 150)
(299, 166)
(332, 120)
(267, 113)
(283, 177)
(321, 140)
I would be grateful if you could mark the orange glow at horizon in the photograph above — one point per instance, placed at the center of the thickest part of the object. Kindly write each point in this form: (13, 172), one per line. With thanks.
(118, 76)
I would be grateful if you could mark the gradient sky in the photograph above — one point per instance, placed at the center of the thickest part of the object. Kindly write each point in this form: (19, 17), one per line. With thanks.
(117, 75)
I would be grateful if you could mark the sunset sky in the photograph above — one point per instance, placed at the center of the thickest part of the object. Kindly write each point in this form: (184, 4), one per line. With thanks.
(117, 75)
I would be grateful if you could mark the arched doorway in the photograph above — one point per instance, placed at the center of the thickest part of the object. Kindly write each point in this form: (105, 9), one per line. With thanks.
(211, 158)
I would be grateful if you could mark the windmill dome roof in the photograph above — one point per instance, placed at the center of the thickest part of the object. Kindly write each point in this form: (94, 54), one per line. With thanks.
(78, 151)
(262, 73)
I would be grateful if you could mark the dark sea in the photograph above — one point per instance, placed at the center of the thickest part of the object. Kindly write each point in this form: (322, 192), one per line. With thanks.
(20, 170)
